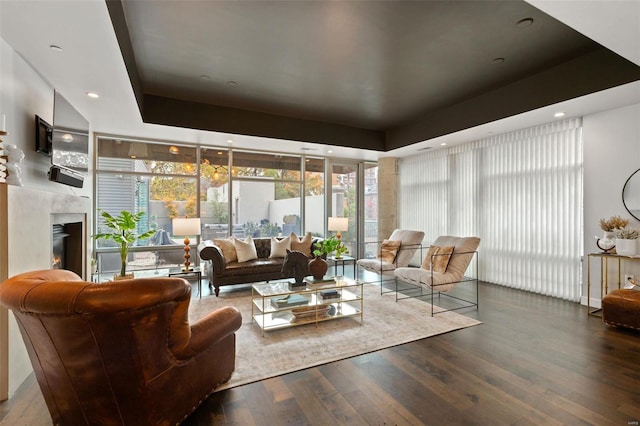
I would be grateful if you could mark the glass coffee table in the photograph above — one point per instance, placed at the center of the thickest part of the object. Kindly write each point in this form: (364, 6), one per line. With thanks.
(278, 305)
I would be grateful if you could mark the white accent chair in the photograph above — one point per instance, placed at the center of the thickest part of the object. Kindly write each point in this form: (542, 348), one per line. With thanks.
(465, 248)
(410, 240)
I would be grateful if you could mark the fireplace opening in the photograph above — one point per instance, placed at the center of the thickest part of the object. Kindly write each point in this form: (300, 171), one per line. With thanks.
(58, 247)
(67, 247)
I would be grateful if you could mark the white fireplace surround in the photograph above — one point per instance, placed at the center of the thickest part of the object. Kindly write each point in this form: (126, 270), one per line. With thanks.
(30, 215)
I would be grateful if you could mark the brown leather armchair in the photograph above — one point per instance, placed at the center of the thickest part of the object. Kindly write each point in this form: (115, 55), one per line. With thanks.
(120, 352)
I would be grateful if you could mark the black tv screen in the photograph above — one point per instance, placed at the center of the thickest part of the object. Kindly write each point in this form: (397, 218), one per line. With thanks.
(44, 136)
(70, 136)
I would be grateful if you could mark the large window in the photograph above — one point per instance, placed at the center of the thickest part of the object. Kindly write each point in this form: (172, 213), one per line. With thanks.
(234, 192)
(520, 192)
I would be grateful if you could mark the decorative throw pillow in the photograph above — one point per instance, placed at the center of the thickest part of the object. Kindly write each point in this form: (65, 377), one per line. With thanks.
(228, 249)
(246, 249)
(303, 245)
(279, 247)
(389, 250)
(441, 258)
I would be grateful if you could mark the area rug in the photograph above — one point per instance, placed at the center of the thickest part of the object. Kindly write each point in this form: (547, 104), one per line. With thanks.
(386, 323)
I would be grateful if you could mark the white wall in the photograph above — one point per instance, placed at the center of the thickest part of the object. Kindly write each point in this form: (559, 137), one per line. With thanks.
(23, 94)
(611, 155)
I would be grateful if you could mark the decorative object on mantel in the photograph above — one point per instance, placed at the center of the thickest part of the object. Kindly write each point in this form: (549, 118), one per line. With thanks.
(15, 156)
(186, 227)
(626, 241)
(124, 233)
(607, 242)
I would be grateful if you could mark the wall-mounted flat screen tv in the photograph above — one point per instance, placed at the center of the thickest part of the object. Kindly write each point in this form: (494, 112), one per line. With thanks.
(44, 136)
(70, 136)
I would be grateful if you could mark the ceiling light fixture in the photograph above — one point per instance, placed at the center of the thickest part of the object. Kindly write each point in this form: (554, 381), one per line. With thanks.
(55, 48)
(205, 77)
(174, 150)
(443, 144)
(67, 138)
(330, 151)
(232, 83)
(559, 114)
(524, 23)
(93, 95)
(497, 60)
(229, 141)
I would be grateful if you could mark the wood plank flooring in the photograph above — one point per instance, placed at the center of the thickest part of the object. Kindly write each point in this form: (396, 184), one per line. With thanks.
(535, 360)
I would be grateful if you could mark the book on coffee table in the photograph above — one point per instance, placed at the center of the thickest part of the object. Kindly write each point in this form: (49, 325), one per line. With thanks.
(312, 281)
(289, 301)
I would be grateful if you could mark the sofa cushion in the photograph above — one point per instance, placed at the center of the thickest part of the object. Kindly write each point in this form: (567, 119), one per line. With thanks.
(388, 250)
(228, 249)
(441, 257)
(303, 245)
(279, 247)
(254, 268)
(246, 249)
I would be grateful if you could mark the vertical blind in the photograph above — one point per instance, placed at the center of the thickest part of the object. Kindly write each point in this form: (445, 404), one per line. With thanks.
(520, 192)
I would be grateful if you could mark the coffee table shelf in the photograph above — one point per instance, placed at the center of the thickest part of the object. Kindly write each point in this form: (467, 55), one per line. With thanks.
(270, 317)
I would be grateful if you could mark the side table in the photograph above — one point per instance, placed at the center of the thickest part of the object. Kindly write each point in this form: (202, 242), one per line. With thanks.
(191, 273)
(604, 275)
(342, 260)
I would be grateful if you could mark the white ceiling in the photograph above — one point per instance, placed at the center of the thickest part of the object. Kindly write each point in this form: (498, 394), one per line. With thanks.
(91, 61)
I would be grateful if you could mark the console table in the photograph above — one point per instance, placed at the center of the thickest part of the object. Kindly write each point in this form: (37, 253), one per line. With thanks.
(605, 258)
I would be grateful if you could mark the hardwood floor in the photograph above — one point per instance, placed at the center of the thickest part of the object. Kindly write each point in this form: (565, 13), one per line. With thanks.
(535, 360)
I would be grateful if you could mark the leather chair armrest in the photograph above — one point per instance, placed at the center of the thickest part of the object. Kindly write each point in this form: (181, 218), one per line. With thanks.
(211, 329)
(210, 251)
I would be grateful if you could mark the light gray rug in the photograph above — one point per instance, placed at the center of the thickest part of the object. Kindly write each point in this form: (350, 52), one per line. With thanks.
(386, 323)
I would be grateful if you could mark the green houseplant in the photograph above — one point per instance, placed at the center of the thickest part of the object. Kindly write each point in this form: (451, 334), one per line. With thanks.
(123, 233)
(329, 245)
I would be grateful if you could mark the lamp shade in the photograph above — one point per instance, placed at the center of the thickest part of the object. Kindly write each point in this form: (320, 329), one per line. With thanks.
(186, 226)
(338, 224)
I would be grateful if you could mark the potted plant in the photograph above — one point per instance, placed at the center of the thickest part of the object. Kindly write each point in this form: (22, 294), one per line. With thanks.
(318, 266)
(626, 239)
(123, 233)
(608, 226)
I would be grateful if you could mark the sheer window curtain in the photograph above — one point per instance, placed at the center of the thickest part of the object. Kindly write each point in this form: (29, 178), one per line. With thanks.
(520, 192)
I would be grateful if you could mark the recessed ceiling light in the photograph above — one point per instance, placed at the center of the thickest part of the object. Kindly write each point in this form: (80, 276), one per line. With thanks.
(330, 151)
(443, 144)
(232, 83)
(205, 77)
(174, 149)
(559, 114)
(55, 48)
(93, 95)
(497, 60)
(67, 138)
(229, 141)
(524, 23)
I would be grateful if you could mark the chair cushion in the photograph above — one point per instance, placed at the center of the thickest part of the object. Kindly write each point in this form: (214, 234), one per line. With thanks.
(389, 250)
(441, 256)
(246, 249)
(419, 276)
(377, 265)
(228, 249)
(411, 241)
(464, 247)
(279, 247)
(303, 245)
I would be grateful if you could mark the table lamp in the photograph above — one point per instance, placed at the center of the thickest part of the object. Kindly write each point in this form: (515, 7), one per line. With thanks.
(338, 224)
(186, 227)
